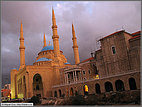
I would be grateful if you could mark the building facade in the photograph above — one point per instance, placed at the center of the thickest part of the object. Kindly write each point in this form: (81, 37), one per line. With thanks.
(114, 67)
(38, 79)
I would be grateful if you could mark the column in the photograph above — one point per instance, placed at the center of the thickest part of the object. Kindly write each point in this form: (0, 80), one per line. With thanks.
(67, 78)
(75, 76)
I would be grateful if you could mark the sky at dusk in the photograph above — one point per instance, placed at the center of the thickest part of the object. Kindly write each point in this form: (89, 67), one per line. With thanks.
(92, 20)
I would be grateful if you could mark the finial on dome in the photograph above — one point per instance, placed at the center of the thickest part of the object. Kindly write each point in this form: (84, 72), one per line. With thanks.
(44, 40)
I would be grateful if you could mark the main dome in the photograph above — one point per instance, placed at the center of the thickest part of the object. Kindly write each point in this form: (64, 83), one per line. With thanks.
(47, 48)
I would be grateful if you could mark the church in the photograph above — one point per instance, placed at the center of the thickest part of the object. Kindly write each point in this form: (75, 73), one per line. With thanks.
(38, 79)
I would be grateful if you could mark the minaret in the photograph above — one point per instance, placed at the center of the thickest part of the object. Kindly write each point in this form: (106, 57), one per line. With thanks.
(44, 40)
(22, 48)
(75, 46)
(55, 36)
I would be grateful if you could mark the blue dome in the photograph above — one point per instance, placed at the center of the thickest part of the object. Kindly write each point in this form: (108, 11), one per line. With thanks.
(13, 68)
(43, 59)
(66, 63)
(47, 48)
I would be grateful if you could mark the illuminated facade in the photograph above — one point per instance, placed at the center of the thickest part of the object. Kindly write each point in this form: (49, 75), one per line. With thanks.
(38, 79)
(114, 67)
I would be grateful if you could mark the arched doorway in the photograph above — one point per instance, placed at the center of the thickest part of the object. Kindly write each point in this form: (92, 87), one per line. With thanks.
(71, 92)
(132, 84)
(119, 85)
(85, 88)
(67, 92)
(24, 86)
(108, 86)
(97, 87)
(60, 94)
(37, 85)
(55, 93)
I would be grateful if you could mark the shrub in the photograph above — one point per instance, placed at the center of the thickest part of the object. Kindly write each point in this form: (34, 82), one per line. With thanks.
(78, 100)
(35, 100)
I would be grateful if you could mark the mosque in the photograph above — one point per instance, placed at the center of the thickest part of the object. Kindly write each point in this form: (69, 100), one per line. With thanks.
(114, 67)
(38, 79)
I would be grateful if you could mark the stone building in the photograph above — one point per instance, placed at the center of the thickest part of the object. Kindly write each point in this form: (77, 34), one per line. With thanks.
(114, 67)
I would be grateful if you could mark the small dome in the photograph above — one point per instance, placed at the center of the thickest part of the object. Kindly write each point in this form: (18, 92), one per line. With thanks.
(66, 63)
(47, 48)
(13, 68)
(43, 59)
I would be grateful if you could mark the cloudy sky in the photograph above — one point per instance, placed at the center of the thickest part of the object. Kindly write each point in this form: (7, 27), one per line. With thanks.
(92, 20)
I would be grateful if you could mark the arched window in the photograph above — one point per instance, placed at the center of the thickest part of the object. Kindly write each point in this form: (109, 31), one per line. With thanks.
(85, 88)
(95, 69)
(132, 84)
(119, 85)
(113, 49)
(71, 92)
(37, 87)
(84, 72)
(108, 86)
(60, 93)
(97, 87)
(55, 93)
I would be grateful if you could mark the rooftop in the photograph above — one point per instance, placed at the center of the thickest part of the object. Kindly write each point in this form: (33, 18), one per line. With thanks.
(115, 33)
(91, 58)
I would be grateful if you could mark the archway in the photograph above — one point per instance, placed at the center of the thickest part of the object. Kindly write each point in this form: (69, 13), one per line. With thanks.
(67, 92)
(132, 84)
(60, 94)
(119, 85)
(85, 88)
(24, 86)
(37, 85)
(55, 93)
(108, 86)
(71, 92)
(97, 87)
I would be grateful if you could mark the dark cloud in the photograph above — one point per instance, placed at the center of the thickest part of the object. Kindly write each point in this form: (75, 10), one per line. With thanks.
(92, 20)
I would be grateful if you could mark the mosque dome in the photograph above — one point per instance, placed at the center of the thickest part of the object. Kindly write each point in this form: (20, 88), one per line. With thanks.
(47, 48)
(43, 59)
(66, 63)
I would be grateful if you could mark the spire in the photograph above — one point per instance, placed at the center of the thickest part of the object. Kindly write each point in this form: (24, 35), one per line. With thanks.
(55, 36)
(73, 31)
(44, 40)
(21, 30)
(53, 17)
(75, 46)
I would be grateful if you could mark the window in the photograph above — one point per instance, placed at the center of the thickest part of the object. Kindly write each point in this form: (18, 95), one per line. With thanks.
(37, 80)
(113, 50)
(83, 72)
(37, 87)
(89, 71)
